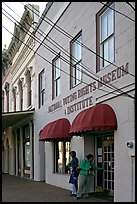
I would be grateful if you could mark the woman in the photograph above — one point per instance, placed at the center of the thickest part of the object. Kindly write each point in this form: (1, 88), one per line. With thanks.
(86, 171)
(73, 176)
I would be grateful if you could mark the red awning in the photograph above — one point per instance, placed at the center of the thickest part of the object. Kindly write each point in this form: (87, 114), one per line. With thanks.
(98, 117)
(56, 129)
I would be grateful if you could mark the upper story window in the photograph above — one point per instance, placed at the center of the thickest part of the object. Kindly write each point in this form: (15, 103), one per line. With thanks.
(29, 91)
(75, 61)
(14, 98)
(105, 37)
(20, 95)
(7, 94)
(62, 158)
(56, 77)
(2, 101)
(41, 88)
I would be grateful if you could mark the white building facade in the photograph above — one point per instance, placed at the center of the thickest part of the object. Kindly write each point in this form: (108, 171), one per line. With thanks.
(85, 94)
(19, 101)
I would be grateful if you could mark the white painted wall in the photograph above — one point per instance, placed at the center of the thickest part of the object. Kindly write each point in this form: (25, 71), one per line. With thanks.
(123, 106)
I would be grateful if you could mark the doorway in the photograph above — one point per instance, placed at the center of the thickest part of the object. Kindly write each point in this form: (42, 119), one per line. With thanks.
(105, 159)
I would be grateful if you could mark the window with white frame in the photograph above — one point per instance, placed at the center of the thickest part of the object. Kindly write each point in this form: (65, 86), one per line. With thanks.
(62, 157)
(56, 77)
(75, 61)
(41, 88)
(105, 37)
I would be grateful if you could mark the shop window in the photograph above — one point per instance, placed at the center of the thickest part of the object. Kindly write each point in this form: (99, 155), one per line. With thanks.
(41, 88)
(56, 77)
(26, 150)
(62, 158)
(105, 37)
(27, 154)
(75, 61)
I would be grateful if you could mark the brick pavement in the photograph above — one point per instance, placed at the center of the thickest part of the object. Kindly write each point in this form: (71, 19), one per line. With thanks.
(17, 189)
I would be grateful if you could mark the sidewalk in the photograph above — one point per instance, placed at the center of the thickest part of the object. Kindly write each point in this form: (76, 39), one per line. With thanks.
(17, 189)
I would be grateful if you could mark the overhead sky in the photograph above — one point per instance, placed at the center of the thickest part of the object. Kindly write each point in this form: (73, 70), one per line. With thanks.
(15, 9)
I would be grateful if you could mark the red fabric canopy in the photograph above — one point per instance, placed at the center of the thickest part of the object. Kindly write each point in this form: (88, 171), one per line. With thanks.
(56, 129)
(98, 117)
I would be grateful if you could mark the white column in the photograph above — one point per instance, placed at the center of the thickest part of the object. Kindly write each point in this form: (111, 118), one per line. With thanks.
(21, 145)
(31, 150)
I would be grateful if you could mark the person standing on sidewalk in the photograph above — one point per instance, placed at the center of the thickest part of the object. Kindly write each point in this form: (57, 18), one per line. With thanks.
(73, 176)
(86, 171)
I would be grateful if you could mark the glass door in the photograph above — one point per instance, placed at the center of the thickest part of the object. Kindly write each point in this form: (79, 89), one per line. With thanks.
(105, 159)
(108, 163)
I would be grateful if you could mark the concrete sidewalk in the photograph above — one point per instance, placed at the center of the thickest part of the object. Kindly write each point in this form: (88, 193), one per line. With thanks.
(17, 189)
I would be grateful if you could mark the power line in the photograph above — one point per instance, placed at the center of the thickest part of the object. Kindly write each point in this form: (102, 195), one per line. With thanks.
(114, 88)
(96, 80)
(118, 11)
(86, 73)
(53, 51)
(71, 37)
(131, 5)
(62, 47)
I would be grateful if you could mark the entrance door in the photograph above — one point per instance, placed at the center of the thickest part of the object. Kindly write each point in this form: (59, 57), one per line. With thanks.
(108, 163)
(105, 159)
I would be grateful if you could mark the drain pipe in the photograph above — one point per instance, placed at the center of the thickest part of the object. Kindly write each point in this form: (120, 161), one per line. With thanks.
(132, 180)
(132, 157)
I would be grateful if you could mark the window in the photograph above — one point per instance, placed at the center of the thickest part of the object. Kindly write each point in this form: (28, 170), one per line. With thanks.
(105, 37)
(29, 88)
(14, 98)
(56, 77)
(41, 89)
(20, 95)
(2, 101)
(75, 61)
(62, 149)
(7, 94)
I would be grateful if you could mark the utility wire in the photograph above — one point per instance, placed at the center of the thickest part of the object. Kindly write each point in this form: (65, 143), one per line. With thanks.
(47, 36)
(54, 52)
(54, 25)
(37, 53)
(84, 72)
(131, 5)
(96, 80)
(118, 11)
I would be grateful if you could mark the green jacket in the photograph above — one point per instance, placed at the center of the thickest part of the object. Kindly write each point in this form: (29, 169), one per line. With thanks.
(85, 165)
